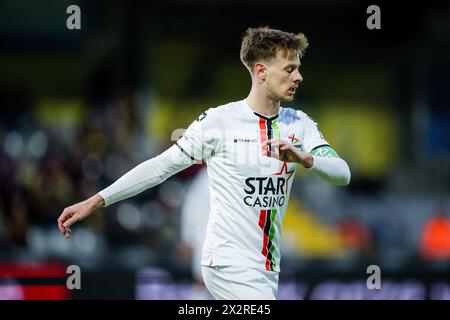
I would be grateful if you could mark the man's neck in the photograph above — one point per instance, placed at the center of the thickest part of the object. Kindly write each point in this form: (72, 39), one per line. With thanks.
(260, 103)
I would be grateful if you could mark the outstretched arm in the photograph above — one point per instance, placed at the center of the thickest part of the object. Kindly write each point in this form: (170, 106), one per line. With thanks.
(146, 175)
(322, 160)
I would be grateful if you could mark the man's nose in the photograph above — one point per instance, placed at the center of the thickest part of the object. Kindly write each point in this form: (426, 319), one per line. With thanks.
(298, 77)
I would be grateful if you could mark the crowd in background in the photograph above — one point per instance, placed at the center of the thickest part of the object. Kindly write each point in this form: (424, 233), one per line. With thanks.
(81, 109)
(44, 169)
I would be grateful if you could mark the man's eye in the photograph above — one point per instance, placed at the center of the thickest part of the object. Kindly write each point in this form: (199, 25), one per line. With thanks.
(290, 70)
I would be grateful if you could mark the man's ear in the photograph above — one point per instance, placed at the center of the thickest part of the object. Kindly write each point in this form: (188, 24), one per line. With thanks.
(260, 71)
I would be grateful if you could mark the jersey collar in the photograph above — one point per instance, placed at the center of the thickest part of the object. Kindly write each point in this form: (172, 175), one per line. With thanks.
(250, 111)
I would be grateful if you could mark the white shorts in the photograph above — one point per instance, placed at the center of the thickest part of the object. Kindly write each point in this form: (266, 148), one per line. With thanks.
(238, 283)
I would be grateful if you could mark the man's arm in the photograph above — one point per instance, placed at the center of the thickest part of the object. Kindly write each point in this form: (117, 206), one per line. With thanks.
(146, 175)
(329, 166)
(322, 160)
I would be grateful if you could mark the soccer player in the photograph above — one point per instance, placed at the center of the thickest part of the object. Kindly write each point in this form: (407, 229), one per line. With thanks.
(252, 148)
(194, 221)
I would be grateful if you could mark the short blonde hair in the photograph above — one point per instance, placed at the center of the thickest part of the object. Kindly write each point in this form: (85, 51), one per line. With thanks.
(263, 43)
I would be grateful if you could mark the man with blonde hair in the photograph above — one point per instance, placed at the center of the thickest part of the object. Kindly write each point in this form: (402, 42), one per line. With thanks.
(252, 148)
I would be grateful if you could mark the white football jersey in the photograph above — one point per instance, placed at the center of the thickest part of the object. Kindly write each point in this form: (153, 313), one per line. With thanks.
(249, 192)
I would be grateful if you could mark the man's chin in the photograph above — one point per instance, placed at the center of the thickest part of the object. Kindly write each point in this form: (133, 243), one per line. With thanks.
(288, 98)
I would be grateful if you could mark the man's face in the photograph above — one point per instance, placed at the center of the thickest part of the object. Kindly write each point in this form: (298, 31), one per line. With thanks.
(283, 76)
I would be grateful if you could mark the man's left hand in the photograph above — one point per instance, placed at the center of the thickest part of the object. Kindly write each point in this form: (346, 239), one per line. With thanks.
(288, 153)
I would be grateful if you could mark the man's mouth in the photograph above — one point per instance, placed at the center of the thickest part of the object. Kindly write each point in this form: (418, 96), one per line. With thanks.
(292, 90)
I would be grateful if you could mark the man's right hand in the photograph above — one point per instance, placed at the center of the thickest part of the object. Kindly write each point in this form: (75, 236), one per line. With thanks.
(77, 212)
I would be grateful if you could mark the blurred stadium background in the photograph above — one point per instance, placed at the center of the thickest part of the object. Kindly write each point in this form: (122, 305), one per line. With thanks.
(81, 107)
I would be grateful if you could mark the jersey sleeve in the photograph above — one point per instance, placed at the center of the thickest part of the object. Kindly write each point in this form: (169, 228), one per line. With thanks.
(312, 137)
(201, 138)
(146, 175)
